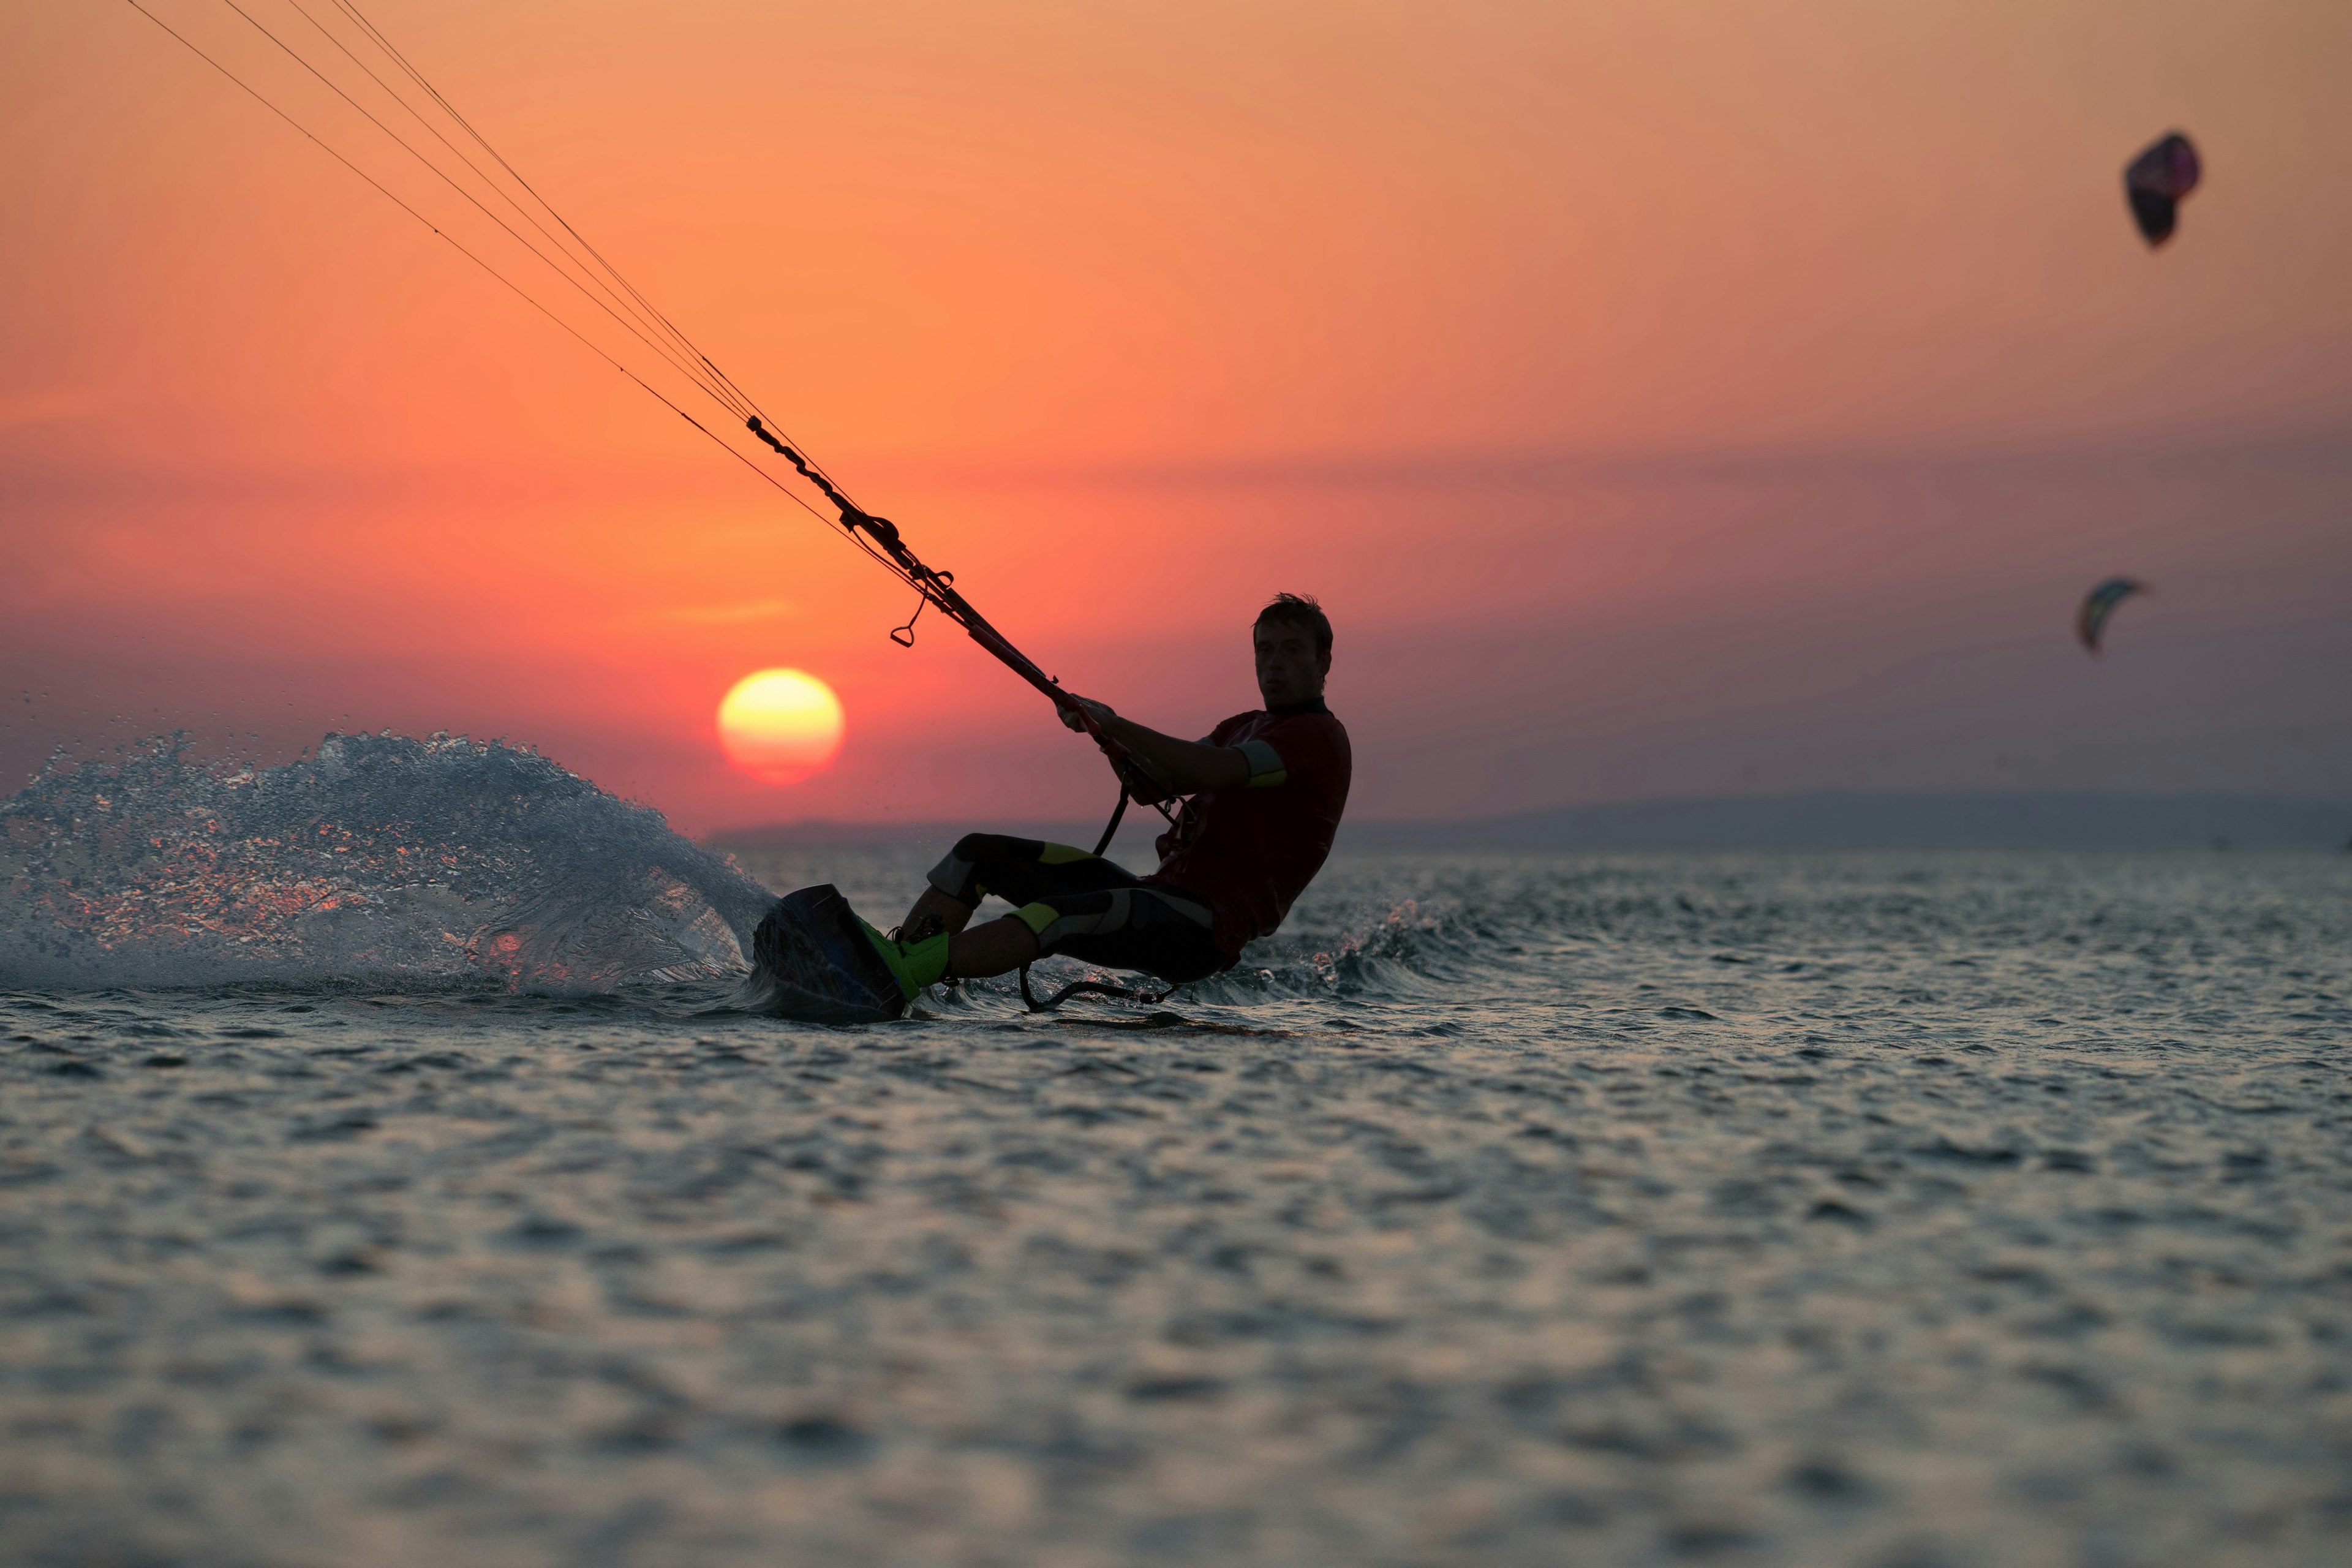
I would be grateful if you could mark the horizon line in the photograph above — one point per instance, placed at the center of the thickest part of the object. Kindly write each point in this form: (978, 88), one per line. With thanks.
(2086, 795)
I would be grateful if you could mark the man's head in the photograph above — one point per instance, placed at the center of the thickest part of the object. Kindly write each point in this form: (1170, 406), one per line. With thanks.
(1294, 650)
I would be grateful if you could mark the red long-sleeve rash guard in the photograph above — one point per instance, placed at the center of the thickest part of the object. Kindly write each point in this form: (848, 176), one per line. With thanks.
(1248, 851)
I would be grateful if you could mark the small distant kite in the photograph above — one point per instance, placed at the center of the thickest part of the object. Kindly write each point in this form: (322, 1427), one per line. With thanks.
(2091, 620)
(2156, 181)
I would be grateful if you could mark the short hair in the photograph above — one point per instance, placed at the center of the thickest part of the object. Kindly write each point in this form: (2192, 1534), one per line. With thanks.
(1300, 610)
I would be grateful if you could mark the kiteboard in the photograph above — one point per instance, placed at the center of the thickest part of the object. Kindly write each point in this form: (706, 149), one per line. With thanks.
(815, 963)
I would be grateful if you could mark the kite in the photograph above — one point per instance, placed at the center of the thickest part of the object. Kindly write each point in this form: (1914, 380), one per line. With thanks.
(2091, 620)
(2155, 182)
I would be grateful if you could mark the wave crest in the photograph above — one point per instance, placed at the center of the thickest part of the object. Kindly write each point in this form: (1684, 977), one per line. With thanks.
(376, 855)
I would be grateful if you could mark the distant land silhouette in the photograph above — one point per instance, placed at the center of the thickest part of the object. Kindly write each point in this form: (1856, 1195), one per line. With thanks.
(1822, 820)
(1860, 820)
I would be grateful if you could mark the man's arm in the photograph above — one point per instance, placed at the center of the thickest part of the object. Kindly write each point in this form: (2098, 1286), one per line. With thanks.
(1179, 767)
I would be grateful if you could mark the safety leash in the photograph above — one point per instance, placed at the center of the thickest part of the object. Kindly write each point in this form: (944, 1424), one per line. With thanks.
(1087, 988)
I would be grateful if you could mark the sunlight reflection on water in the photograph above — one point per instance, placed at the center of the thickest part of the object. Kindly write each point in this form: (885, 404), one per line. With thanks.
(1860, 1208)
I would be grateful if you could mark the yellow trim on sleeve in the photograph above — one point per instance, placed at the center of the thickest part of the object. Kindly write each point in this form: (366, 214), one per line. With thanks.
(1265, 765)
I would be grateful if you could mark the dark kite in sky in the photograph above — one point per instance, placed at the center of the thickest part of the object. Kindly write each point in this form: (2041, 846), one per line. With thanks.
(2155, 182)
(2091, 620)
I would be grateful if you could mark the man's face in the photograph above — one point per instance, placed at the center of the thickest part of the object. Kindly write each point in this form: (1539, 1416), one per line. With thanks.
(1289, 671)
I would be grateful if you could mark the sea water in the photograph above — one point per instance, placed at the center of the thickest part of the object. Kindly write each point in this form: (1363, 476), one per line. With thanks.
(388, 1175)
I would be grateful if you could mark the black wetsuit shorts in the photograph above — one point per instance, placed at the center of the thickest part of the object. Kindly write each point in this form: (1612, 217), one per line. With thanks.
(1084, 906)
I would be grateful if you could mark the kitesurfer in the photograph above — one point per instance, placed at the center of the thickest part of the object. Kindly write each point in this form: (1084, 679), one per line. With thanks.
(1265, 789)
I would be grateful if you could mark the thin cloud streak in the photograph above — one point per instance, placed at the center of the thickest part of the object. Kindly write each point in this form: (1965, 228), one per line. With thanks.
(2303, 446)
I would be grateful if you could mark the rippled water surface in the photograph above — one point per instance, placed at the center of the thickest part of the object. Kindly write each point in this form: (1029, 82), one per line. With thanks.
(1878, 1209)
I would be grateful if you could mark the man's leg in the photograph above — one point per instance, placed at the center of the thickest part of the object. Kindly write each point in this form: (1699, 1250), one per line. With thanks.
(961, 880)
(1015, 870)
(1020, 870)
(1150, 929)
(1000, 947)
(934, 912)
(1158, 930)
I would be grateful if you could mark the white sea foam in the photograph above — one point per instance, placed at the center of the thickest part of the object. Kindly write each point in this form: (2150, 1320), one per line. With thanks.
(376, 858)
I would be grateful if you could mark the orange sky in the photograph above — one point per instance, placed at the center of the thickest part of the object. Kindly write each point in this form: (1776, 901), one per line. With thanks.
(1664, 400)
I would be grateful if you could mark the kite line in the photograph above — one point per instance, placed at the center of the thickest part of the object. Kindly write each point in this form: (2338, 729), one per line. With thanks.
(568, 254)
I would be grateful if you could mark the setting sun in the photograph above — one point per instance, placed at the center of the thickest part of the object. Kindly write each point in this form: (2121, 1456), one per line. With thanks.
(780, 725)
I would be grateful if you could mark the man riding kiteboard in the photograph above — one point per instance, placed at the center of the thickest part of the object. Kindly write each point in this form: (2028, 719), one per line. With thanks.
(1267, 789)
